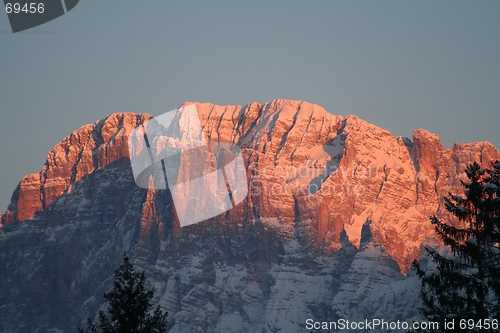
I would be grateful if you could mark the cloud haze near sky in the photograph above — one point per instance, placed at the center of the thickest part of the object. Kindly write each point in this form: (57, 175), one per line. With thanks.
(399, 65)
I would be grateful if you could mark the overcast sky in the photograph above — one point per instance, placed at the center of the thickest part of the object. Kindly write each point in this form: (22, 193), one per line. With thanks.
(400, 65)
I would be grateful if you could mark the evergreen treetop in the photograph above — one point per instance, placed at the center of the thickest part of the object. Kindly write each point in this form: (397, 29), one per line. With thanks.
(467, 284)
(129, 308)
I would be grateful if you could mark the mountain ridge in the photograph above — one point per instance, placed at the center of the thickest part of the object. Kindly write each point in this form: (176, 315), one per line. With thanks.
(334, 203)
(254, 126)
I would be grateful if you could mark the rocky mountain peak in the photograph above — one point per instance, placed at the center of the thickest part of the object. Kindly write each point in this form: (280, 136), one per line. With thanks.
(337, 209)
(82, 152)
(332, 171)
(428, 149)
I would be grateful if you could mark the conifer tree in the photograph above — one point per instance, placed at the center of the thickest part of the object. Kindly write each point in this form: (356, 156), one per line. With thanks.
(129, 308)
(465, 287)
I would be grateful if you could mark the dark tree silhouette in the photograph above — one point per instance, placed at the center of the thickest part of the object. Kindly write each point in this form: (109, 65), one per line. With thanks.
(129, 308)
(465, 287)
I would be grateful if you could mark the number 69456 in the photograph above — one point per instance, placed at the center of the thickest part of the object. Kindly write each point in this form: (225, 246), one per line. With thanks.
(32, 8)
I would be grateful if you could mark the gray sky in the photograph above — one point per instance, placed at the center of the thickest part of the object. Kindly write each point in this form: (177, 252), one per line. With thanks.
(400, 65)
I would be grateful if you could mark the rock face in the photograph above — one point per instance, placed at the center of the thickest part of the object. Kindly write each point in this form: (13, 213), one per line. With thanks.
(336, 212)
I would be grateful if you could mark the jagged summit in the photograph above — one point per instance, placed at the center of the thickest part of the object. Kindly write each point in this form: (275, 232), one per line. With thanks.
(300, 240)
(359, 170)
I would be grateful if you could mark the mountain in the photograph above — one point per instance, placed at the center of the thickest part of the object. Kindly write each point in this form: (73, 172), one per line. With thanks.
(337, 210)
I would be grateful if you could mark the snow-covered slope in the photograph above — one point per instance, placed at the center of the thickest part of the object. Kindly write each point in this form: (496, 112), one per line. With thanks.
(337, 210)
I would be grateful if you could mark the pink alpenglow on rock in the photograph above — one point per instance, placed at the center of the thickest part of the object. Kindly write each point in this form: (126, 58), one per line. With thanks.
(206, 179)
